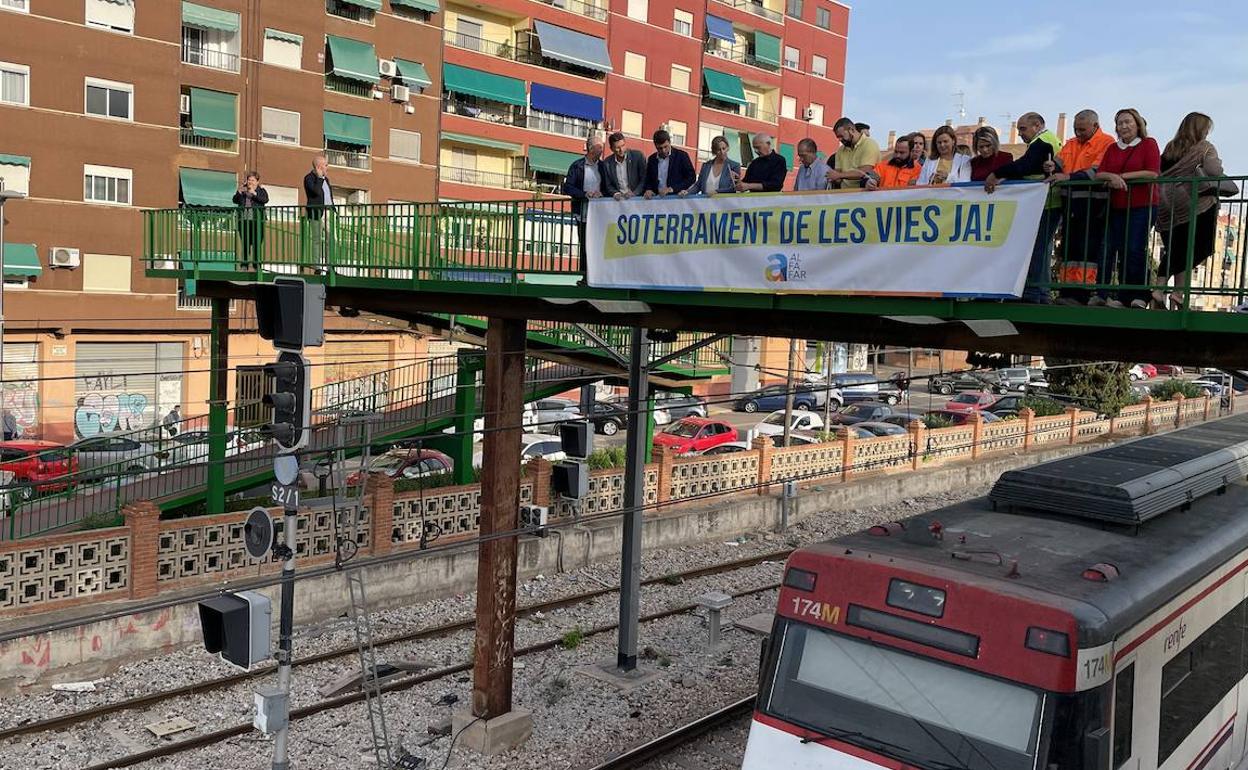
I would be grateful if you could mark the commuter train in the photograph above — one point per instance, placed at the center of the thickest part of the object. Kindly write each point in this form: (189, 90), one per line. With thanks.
(1089, 614)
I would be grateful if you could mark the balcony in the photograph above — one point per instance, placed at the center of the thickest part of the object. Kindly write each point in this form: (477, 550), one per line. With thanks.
(480, 109)
(738, 53)
(187, 138)
(349, 11)
(758, 9)
(589, 10)
(458, 175)
(348, 86)
(559, 124)
(502, 49)
(353, 159)
(755, 112)
(205, 57)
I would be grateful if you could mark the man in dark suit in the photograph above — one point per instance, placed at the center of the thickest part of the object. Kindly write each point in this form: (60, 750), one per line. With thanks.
(668, 171)
(624, 170)
(317, 188)
(584, 181)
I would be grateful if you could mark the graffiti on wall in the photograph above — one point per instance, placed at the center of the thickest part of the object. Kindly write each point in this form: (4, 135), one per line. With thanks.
(21, 399)
(24, 661)
(109, 406)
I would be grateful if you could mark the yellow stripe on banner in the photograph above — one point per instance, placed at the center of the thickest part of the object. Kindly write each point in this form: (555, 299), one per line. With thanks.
(924, 222)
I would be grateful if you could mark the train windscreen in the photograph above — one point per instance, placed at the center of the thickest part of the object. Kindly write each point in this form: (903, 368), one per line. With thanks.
(915, 709)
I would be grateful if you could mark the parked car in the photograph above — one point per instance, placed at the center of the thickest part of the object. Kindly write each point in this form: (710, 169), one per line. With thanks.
(863, 411)
(190, 447)
(532, 445)
(970, 401)
(680, 405)
(1014, 379)
(407, 464)
(865, 386)
(773, 397)
(948, 384)
(1142, 372)
(1168, 370)
(106, 455)
(962, 418)
(695, 434)
(902, 419)
(37, 466)
(1006, 406)
(773, 423)
(608, 417)
(882, 428)
(549, 412)
(1210, 386)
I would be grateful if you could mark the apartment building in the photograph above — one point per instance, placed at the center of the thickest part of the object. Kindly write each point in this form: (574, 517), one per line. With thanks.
(111, 106)
(525, 81)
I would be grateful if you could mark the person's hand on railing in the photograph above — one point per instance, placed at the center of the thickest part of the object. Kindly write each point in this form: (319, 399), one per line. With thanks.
(991, 183)
(1113, 181)
(1049, 167)
(1059, 177)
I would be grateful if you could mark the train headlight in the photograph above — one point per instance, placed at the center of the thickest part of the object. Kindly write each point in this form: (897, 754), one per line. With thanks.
(1045, 640)
(924, 600)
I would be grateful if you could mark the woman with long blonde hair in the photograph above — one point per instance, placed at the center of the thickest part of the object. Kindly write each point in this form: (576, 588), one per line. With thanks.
(1188, 155)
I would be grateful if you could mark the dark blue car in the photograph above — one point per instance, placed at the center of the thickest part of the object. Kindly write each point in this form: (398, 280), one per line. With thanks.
(773, 397)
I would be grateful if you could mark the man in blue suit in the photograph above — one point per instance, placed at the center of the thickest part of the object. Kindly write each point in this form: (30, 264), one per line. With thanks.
(624, 170)
(585, 181)
(668, 171)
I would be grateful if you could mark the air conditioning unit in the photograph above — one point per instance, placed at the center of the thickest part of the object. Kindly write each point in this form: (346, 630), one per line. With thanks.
(400, 93)
(184, 104)
(409, 109)
(386, 68)
(64, 257)
(809, 114)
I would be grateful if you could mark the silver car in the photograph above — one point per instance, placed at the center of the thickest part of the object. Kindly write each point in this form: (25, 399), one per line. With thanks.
(111, 455)
(552, 411)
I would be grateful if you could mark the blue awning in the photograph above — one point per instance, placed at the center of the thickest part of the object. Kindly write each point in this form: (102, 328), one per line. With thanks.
(560, 102)
(720, 28)
(573, 47)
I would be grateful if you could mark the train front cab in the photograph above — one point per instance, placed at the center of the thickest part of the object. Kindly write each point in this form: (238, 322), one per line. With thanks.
(869, 665)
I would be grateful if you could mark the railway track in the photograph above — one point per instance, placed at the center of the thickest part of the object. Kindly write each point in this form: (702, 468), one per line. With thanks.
(76, 718)
(664, 745)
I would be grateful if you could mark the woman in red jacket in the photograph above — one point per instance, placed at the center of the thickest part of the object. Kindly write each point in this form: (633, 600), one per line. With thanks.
(1134, 157)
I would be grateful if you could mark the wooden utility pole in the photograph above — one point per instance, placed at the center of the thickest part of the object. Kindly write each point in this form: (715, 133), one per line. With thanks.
(788, 399)
(500, 512)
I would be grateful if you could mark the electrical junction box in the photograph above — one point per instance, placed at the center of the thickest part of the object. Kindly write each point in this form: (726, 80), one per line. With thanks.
(272, 706)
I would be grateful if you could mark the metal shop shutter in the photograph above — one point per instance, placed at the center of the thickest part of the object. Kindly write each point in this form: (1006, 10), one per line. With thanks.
(121, 386)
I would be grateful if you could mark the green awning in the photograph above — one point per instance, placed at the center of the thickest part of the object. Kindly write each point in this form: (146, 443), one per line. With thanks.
(432, 6)
(351, 129)
(767, 48)
(352, 59)
(288, 37)
(486, 85)
(14, 160)
(413, 72)
(372, 5)
(209, 18)
(478, 141)
(207, 188)
(213, 114)
(21, 260)
(552, 161)
(724, 87)
(788, 152)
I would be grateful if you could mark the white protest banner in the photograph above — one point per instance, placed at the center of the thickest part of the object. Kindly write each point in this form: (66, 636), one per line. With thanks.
(938, 241)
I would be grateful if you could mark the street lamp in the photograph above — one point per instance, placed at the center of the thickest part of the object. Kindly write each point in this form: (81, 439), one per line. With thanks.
(5, 196)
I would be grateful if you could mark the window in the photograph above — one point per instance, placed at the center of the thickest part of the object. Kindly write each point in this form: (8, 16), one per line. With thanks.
(630, 122)
(405, 145)
(682, 22)
(105, 184)
(13, 83)
(1124, 708)
(792, 57)
(210, 37)
(816, 113)
(794, 8)
(283, 49)
(280, 126)
(15, 173)
(22, 6)
(819, 66)
(706, 134)
(788, 107)
(349, 10)
(1197, 678)
(680, 77)
(106, 273)
(679, 131)
(639, 10)
(466, 159)
(115, 15)
(823, 18)
(109, 100)
(634, 65)
(282, 196)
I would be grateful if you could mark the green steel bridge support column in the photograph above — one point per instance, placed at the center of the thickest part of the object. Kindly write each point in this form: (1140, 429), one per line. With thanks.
(650, 429)
(460, 448)
(218, 389)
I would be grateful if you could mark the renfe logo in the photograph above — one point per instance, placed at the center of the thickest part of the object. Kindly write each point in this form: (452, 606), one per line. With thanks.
(777, 268)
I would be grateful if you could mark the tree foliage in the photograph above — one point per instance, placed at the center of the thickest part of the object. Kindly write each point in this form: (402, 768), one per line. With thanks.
(1164, 391)
(1103, 388)
(1043, 406)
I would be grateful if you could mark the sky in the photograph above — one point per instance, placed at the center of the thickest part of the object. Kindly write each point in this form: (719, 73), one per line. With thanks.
(1164, 58)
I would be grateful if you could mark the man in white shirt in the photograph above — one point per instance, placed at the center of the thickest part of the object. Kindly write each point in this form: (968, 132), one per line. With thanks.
(625, 169)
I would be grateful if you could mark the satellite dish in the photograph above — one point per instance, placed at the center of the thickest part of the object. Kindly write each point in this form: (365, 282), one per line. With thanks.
(258, 533)
(286, 469)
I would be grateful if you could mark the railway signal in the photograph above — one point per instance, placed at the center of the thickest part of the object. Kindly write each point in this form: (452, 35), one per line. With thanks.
(291, 401)
(236, 627)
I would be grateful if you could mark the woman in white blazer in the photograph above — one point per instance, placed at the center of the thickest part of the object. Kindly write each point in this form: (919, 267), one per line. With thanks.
(945, 165)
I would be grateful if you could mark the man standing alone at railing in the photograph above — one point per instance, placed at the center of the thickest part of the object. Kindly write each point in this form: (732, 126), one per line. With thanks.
(251, 199)
(320, 195)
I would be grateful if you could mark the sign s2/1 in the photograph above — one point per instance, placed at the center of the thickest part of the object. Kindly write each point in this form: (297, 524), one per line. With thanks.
(285, 495)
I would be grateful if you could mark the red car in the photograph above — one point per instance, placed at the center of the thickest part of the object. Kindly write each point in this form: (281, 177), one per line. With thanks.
(971, 401)
(407, 464)
(1149, 370)
(1166, 370)
(695, 434)
(37, 466)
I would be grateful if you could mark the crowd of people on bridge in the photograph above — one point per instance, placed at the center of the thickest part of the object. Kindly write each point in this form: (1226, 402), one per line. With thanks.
(1102, 218)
